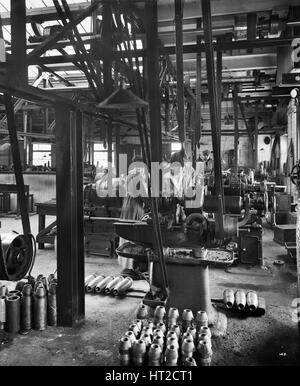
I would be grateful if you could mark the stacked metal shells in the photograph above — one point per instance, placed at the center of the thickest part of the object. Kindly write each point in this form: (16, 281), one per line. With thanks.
(32, 305)
(244, 301)
(107, 285)
(165, 339)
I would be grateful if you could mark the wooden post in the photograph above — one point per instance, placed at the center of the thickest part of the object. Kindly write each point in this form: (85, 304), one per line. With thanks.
(69, 203)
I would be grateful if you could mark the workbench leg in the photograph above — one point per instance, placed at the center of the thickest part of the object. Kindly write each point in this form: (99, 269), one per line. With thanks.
(42, 224)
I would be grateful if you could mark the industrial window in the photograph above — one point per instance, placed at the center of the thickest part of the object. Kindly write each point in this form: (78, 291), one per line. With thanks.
(175, 146)
(41, 154)
(101, 155)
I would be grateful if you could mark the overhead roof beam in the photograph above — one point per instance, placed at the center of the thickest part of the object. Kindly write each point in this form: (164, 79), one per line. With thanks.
(48, 43)
(171, 50)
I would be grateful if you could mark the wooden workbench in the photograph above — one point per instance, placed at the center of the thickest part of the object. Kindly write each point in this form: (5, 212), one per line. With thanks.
(43, 209)
(100, 236)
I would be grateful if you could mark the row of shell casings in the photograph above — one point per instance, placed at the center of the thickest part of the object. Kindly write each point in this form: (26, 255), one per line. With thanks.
(243, 300)
(186, 320)
(154, 343)
(30, 305)
(108, 285)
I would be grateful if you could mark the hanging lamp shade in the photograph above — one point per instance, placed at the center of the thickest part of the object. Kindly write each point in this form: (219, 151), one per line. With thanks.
(122, 99)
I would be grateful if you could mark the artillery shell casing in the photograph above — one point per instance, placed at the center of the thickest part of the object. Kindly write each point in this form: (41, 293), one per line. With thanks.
(205, 330)
(228, 298)
(240, 299)
(45, 283)
(159, 314)
(261, 306)
(37, 284)
(122, 286)
(173, 314)
(158, 340)
(20, 285)
(154, 355)
(40, 309)
(100, 287)
(142, 312)
(110, 286)
(252, 300)
(14, 293)
(201, 319)
(88, 279)
(138, 352)
(39, 277)
(13, 311)
(187, 348)
(50, 278)
(92, 285)
(125, 346)
(171, 356)
(26, 308)
(2, 312)
(51, 305)
(3, 290)
(187, 318)
(204, 353)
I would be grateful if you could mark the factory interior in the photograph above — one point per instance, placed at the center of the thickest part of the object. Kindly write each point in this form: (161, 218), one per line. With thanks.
(149, 183)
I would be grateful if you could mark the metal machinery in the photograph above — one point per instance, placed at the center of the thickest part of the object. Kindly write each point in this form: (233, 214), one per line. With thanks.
(100, 236)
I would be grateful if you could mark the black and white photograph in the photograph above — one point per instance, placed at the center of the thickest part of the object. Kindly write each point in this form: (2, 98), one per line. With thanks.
(149, 186)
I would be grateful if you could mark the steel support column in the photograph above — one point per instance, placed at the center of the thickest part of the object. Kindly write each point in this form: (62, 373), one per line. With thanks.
(256, 137)
(18, 71)
(236, 129)
(179, 71)
(69, 203)
(213, 108)
(198, 96)
(219, 83)
(153, 80)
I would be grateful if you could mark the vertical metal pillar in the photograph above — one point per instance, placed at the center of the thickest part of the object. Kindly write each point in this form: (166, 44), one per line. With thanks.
(117, 152)
(107, 75)
(213, 108)
(15, 151)
(219, 85)
(198, 95)
(256, 137)
(18, 71)
(236, 129)
(69, 204)
(153, 88)
(179, 70)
